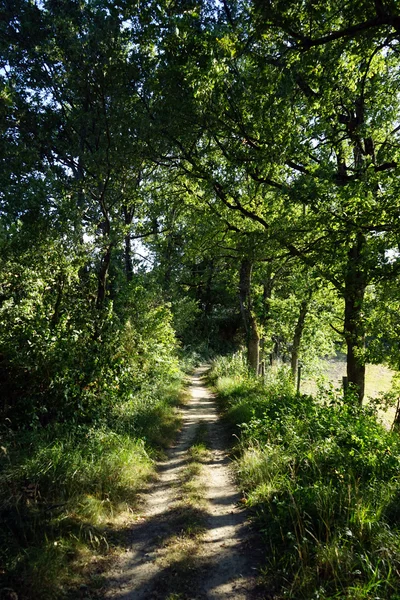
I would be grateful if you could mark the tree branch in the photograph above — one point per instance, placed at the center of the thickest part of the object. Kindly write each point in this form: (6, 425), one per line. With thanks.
(379, 21)
(266, 180)
(341, 333)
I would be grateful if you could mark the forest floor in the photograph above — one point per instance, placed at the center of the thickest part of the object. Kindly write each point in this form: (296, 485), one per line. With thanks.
(192, 540)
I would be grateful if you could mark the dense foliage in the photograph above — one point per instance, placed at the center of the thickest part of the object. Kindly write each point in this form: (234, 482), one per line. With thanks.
(62, 486)
(185, 177)
(234, 141)
(322, 478)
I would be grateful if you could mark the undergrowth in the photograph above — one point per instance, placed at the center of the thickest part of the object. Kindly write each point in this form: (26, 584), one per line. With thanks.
(63, 488)
(322, 479)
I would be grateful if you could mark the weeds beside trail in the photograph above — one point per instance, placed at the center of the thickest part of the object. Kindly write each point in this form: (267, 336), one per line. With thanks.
(192, 539)
(64, 489)
(322, 478)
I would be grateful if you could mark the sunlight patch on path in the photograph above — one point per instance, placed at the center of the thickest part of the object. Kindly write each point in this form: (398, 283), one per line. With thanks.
(218, 565)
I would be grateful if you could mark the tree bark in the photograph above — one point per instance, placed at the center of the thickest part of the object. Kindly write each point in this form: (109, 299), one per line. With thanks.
(128, 258)
(249, 319)
(128, 217)
(298, 333)
(104, 265)
(56, 313)
(102, 277)
(253, 344)
(268, 285)
(244, 291)
(354, 328)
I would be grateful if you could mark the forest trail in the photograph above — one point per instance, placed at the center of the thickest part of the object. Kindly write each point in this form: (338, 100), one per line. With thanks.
(193, 541)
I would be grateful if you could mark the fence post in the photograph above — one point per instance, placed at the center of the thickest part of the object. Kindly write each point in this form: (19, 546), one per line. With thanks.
(298, 378)
(263, 371)
(345, 385)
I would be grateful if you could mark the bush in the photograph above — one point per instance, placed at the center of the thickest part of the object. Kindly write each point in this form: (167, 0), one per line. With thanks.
(61, 486)
(228, 366)
(88, 392)
(322, 480)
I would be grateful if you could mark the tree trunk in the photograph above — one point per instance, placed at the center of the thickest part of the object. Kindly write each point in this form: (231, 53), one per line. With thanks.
(244, 290)
(102, 277)
(354, 328)
(249, 319)
(298, 333)
(266, 309)
(128, 258)
(253, 345)
(396, 420)
(104, 266)
(56, 313)
(128, 217)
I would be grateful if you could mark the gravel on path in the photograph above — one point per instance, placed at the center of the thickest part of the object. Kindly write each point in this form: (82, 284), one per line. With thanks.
(224, 564)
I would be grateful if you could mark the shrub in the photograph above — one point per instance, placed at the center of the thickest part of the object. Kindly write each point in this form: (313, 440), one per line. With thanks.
(61, 486)
(322, 478)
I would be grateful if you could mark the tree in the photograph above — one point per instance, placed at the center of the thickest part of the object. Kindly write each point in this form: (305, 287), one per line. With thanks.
(295, 142)
(72, 199)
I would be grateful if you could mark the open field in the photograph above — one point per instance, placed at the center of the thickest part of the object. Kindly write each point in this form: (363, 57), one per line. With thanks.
(378, 381)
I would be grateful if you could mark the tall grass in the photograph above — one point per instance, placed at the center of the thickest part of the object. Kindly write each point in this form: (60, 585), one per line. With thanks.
(322, 478)
(62, 487)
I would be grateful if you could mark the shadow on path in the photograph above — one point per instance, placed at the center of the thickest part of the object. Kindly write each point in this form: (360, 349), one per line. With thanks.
(167, 562)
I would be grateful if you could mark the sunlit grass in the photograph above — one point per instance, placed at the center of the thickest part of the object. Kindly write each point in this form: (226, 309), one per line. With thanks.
(378, 378)
(65, 489)
(322, 478)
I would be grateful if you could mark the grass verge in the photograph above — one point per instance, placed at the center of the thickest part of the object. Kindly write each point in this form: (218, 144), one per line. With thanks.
(322, 480)
(65, 492)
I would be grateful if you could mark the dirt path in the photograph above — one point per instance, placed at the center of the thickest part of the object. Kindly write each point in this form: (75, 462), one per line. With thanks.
(193, 541)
